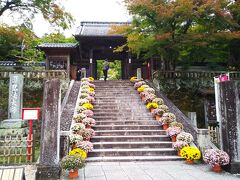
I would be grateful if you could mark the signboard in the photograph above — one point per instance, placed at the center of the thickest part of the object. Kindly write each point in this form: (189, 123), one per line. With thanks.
(30, 113)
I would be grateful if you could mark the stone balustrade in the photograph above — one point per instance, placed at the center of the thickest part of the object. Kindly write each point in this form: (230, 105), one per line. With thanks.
(194, 74)
(46, 74)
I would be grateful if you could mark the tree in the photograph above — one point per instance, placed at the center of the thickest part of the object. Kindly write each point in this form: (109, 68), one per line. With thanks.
(50, 9)
(176, 30)
(20, 43)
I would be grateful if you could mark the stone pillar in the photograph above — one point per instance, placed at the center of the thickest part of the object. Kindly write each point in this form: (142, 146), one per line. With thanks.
(15, 96)
(203, 140)
(193, 117)
(83, 73)
(48, 167)
(91, 62)
(139, 73)
(230, 122)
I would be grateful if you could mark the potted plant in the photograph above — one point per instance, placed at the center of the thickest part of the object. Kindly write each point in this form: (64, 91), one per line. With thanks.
(72, 163)
(216, 158)
(149, 97)
(78, 152)
(88, 113)
(92, 85)
(159, 101)
(133, 79)
(86, 146)
(149, 90)
(151, 106)
(77, 127)
(158, 112)
(190, 153)
(178, 145)
(167, 118)
(88, 122)
(91, 79)
(83, 101)
(75, 138)
(81, 109)
(91, 99)
(87, 133)
(140, 89)
(173, 132)
(139, 84)
(176, 124)
(91, 93)
(88, 106)
(79, 117)
(186, 137)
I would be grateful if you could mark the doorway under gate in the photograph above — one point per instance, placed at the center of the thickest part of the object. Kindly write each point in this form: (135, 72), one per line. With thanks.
(114, 72)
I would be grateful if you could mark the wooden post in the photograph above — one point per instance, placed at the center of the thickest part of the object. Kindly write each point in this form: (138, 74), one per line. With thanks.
(229, 110)
(48, 167)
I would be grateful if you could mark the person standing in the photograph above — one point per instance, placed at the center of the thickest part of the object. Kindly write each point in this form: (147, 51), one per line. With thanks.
(105, 69)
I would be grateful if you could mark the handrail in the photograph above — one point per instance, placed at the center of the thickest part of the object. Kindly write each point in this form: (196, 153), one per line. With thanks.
(193, 74)
(180, 116)
(48, 74)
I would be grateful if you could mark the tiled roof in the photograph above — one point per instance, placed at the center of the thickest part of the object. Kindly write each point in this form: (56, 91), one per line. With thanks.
(97, 28)
(58, 45)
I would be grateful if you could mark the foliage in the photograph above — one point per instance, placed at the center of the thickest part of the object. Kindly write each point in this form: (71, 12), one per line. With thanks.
(87, 133)
(216, 157)
(51, 10)
(88, 113)
(88, 121)
(190, 153)
(72, 162)
(159, 101)
(114, 71)
(182, 30)
(140, 89)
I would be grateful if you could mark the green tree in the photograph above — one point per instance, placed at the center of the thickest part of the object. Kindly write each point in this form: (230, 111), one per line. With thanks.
(51, 10)
(176, 30)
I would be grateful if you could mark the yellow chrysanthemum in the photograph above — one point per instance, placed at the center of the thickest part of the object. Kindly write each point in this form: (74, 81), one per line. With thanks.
(190, 153)
(141, 89)
(78, 152)
(132, 79)
(152, 105)
(91, 89)
(91, 79)
(88, 106)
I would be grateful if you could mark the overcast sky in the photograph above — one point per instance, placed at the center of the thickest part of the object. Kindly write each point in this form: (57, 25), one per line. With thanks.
(83, 10)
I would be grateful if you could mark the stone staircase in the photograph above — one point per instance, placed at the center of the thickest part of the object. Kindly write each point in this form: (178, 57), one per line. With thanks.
(125, 129)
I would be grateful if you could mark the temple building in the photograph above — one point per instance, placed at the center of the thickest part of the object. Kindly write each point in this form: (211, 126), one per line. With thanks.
(94, 43)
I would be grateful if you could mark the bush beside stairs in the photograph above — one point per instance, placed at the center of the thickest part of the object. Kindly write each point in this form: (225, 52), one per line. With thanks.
(125, 129)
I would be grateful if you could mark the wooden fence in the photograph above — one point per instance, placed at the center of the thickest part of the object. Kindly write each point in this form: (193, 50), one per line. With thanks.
(193, 74)
(47, 74)
(16, 149)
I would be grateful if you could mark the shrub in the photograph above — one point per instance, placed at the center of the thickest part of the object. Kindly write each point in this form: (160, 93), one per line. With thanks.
(216, 157)
(190, 153)
(186, 137)
(70, 162)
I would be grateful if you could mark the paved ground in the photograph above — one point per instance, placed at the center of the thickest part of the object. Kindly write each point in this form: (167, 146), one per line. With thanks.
(174, 170)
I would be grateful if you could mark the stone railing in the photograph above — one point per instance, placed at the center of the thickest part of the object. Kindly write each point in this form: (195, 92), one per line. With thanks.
(180, 116)
(193, 74)
(46, 74)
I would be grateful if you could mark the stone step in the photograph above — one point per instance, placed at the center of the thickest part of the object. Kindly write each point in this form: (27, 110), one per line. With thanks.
(132, 152)
(103, 118)
(113, 115)
(127, 122)
(126, 145)
(128, 132)
(126, 127)
(130, 138)
(133, 158)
